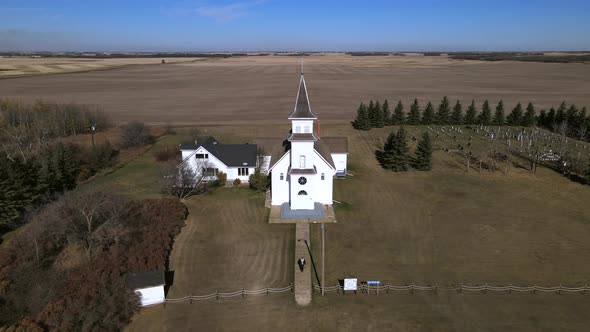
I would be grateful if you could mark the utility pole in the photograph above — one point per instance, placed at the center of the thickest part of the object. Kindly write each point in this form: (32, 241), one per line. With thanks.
(323, 259)
(92, 129)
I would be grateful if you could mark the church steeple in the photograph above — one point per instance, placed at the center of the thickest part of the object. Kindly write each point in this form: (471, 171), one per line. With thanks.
(302, 108)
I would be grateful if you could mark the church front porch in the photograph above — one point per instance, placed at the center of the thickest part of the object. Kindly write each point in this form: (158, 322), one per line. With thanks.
(282, 214)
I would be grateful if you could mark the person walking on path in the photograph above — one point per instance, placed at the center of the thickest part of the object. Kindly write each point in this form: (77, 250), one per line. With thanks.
(301, 263)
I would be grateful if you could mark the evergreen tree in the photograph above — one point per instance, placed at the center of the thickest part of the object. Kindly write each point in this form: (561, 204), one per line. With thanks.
(499, 118)
(424, 154)
(414, 116)
(428, 114)
(485, 117)
(457, 115)
(66, 167)
(394, 155)
(515, 118)
(442, 116)
(471, 114)
(528, 119)
(541, 119)
(362, 118)
(571, 116)
(550, 120)
(375, 115)
(560, 115)
(399, 117)
(387, 119)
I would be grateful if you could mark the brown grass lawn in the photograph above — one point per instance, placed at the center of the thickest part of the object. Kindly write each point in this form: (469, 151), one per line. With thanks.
(442, 227)
(262, 89)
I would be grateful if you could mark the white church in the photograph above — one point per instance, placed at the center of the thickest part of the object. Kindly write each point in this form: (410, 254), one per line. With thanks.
(302, 167)
(302, 174)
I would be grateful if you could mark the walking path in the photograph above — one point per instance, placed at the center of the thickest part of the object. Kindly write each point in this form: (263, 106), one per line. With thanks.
(302, 279)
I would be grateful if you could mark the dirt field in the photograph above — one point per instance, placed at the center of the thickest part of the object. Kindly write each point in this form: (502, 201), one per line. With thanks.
(25, 66)
(443, 227)
(262, 89)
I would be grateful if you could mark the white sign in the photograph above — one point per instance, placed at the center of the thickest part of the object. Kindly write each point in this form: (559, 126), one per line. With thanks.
(350, 284)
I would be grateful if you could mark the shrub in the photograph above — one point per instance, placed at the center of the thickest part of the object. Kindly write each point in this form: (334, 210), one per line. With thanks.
(259, 181)
(166, 153)
(221, 179)
(136, 134)
(237, 182)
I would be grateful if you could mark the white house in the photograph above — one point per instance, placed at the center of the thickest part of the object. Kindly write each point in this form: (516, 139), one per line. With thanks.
(303, 169)
(238, 161)
(149, 286)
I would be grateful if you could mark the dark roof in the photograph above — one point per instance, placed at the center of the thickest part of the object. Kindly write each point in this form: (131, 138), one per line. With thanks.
(303, 137)
(145, 279)
(324, 151)
(302, 107)
(278, 152)
(232, 155)
(336, 144)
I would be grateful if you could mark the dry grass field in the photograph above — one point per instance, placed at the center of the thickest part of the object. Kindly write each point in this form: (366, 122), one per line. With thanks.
(262, 89)
(443, 227)
(27, 66)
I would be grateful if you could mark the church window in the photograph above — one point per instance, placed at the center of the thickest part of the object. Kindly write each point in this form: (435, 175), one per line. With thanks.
(243, 171)
(282, 176)
(307, 129)
(297, 129)
(302, 180)
(323, 176)
(302, 193)
(301, 161)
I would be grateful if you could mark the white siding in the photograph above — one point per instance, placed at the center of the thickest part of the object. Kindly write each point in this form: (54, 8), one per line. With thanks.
(151, 295)
(340, 160)
(323, 188)
(280, 188)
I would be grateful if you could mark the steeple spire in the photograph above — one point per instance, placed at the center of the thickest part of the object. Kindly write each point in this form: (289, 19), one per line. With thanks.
(302, 107)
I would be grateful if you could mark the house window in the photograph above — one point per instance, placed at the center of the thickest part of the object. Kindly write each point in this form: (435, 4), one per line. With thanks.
(210, 171)
(202, 156)
(243, 171)
(282, 176)
(323, 176)
(302, 193)
(301, 161)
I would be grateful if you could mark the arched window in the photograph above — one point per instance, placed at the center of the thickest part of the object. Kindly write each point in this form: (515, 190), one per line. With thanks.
(301, 161)
(302, 193)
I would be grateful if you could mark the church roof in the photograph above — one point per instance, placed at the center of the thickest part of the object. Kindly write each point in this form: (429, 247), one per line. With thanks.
(302, 108)
(336, 144)
(232, 155)
(302, 137)
(324, 151)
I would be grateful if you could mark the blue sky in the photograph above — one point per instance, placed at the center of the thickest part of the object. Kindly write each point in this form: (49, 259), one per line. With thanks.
(257, 25)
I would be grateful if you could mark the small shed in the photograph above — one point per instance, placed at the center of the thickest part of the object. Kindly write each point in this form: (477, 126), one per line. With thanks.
(149, 286)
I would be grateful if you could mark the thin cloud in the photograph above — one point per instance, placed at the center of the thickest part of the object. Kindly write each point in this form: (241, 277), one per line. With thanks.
(220, 14)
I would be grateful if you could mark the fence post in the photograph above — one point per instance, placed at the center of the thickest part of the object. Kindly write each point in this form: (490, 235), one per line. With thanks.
(585, 286)
(434, 289)
(292, 288)
(190, 297)
(534, 289)
(509, 289)
(559, 290)
(217, 295)
(242, 293)
(412, 288)
(485, 288)
(266, 291)
(460, 288)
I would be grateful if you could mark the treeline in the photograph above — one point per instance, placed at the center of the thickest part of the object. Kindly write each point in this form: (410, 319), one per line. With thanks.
(566, 120)
(512, 56)
(42, 120)
(65, 270)
(30, 181)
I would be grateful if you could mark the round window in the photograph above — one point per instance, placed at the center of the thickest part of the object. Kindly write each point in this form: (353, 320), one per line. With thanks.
(302, 180)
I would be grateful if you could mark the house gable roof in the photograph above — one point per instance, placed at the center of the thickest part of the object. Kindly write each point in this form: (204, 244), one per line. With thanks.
(232, 155)
(336, 144)
(302, 108)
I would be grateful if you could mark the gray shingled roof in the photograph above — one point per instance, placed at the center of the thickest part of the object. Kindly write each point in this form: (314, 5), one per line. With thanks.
(145, 279)
(232, 155)
(302, 107)
(336, 144)
(324, 151)
(303, 137)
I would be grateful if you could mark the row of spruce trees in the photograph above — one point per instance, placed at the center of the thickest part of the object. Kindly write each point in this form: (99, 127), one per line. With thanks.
(377, 115)
(395, 153)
